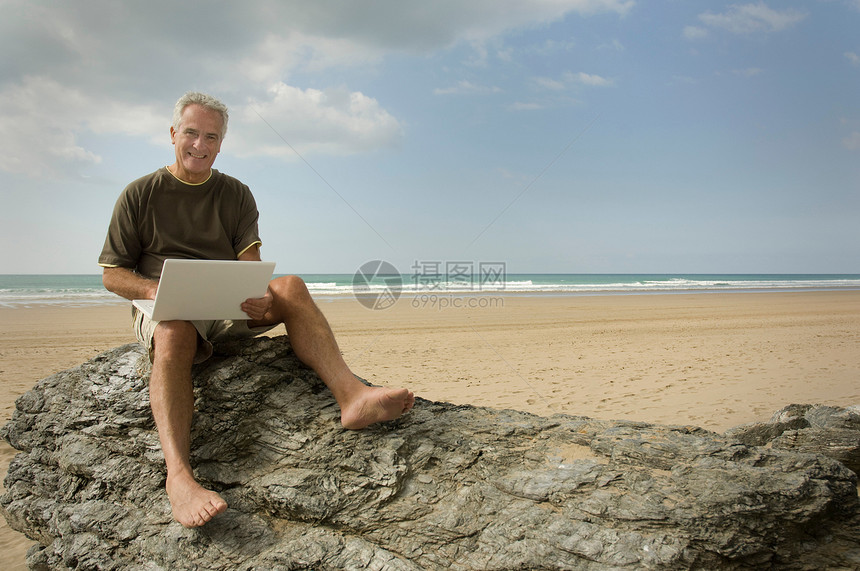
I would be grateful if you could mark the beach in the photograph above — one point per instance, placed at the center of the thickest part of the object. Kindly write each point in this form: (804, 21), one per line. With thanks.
(714, 360)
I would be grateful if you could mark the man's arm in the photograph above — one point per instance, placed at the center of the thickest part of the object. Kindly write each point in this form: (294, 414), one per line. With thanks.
(252, 254)
(131, 285)
(128, 284)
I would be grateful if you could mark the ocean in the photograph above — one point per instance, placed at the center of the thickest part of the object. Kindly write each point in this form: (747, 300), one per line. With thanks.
(20, 291)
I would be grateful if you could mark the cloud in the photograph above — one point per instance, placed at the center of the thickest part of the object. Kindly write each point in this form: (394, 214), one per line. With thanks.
(748, 72)
(559, 90)
(43, 121)
(550, 84)
(419, 29)
(466, 88)
(71, 70)
(615, 45)
(695, 33)
(550, 47)
(853, 58)
(261, 39)
(852, 141)
(570, 79)
(525, 106)
(682, 80)
(312, 121)
(748, 19)
(589, 79)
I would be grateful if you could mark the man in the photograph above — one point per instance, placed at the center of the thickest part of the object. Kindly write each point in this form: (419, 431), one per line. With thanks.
(189, 210)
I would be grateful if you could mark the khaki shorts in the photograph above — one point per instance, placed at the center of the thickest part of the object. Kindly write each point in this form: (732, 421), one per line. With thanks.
(208, 332)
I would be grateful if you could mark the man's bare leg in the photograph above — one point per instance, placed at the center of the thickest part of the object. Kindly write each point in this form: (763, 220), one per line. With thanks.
(314, 343)
(171, 397)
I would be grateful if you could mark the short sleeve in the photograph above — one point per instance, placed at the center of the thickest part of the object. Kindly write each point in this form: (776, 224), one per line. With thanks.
(247, 231)
(122, 245)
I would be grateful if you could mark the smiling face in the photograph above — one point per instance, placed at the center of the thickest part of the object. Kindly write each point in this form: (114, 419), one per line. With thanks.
(197, 142)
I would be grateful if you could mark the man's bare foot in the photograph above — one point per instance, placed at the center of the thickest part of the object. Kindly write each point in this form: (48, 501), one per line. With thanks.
(192, 504)
(376, 404)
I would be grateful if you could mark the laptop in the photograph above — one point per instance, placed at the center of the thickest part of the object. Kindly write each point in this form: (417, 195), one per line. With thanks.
(206, 289)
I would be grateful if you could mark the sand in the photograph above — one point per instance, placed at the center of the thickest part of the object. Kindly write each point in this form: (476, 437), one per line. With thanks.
(710, 360)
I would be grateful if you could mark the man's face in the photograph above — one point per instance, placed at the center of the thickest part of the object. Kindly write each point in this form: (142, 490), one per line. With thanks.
(197, 142)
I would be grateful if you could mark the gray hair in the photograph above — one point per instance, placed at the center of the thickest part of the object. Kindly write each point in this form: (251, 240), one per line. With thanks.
(207, 101)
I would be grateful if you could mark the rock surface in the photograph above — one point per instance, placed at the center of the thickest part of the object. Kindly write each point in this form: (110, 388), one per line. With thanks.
(445, 487)
(828, 430)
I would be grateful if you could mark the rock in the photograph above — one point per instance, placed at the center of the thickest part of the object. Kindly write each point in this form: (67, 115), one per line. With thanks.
(445, 487)
(832, 431)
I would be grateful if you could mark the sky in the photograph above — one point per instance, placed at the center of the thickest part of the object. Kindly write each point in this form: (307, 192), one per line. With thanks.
(556, 136)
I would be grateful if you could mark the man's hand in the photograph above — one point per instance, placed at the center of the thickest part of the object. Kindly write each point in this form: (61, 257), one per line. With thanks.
(258, 308)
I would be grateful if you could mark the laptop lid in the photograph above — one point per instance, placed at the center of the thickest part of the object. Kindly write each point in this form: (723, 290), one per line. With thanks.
(207, 289)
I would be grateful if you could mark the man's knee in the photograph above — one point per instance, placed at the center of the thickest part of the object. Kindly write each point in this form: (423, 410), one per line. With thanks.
(289, 290)
(175, 337)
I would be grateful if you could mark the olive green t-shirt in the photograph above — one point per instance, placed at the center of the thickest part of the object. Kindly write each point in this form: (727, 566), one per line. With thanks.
(158, 217)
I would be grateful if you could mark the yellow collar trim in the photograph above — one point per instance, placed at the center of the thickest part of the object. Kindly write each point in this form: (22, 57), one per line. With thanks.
(189, 183)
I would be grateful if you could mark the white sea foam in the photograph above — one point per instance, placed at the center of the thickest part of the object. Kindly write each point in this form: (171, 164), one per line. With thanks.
(634, 286)
(61, 297)
(24, 291)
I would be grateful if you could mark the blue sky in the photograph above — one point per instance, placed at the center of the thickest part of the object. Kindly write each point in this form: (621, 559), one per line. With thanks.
(581, 136)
